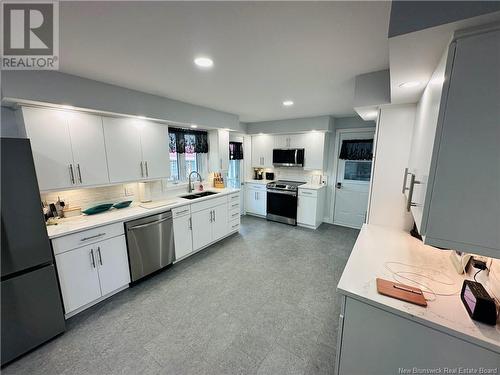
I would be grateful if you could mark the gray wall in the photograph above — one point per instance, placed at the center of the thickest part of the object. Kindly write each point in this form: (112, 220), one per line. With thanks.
(352, 122)
(290, 125)
(409, 16)
(11, 125)
(65, 89)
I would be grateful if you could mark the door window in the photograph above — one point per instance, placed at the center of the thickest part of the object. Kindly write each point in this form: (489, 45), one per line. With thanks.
(357, 170)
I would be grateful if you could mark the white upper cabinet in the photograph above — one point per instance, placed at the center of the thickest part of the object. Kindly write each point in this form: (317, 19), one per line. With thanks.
(89, 153)
(262, 150)
(460, 207)
(289, 141)
(314, 153)
(218, 151)
(155, 150)
(68, 148)
(424, 132)
(50, 142)
(123, 149)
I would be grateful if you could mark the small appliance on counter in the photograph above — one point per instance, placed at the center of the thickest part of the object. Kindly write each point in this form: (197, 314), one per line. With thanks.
(258, 174)
(270, 176)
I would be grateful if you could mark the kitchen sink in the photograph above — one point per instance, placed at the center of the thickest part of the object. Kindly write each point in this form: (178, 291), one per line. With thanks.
(199, 195)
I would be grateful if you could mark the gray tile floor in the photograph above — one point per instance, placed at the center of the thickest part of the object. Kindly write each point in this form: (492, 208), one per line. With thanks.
(259, 302)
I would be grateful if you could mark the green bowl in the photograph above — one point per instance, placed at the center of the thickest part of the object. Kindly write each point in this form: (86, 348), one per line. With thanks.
(122, 204)
(98, 209)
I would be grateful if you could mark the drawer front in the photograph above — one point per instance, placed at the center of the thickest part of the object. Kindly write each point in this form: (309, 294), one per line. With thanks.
(234, 214)
(308, 193)
(255, 186)
(209, 203)
(73, 241)
(234, 205)
(181, 211)
(232, 198)
(233, 225)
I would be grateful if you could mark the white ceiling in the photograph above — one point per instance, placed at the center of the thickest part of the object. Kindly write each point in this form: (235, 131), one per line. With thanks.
(264, 53)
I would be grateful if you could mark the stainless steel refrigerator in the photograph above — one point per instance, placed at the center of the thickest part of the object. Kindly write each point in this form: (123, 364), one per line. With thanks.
(32, 311)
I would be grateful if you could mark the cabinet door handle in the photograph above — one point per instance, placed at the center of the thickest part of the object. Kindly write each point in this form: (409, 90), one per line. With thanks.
(71, 174)
(190, 224)
(79, 172)
(211, 216)
(404, 181)
(147, 170)
(99, 254)
(215, 219)
(92, 257)
(413, 182)
(91, 237)
(142, 170)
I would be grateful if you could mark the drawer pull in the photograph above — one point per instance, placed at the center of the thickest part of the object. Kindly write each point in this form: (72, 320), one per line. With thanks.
(235, 214)
(183, 211)
(235, 205)
(91, 237)
(306, 193)
(235, 226)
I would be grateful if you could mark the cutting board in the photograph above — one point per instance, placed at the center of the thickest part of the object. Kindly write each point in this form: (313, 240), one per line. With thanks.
(401, 291)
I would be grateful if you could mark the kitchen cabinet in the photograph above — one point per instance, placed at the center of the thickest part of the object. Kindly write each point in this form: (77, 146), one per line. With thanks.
(155, 150)
(218, 152)
(461, 205)
(256, 199)
(68, 148)
(310, 207)
(183, 232)
(314, 154)
(289, 141)
(209, 225)
(136, 149)
(90, 272)
(262, 151)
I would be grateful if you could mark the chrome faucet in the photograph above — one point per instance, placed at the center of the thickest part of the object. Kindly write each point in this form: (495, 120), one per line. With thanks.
(190, 186)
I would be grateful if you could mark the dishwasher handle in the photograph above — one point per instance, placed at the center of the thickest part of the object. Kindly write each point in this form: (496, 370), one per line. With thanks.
(150, 223)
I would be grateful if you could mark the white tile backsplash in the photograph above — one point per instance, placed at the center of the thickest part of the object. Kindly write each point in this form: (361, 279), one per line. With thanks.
(88, 197)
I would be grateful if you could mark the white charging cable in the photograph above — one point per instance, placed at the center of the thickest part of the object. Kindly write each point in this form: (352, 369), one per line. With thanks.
(403, 276)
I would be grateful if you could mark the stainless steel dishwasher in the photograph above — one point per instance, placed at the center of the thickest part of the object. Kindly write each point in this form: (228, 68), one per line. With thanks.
(150, 243)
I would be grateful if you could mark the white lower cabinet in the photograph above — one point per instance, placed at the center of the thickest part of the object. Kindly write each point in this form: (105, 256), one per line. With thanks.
(219, 223)
(209, 225)
(310, 207)
(256, 199)
(90, 272)
(183, 236)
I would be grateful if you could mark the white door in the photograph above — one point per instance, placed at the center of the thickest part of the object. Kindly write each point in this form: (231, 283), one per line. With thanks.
(48, 132)
(352, 185)
(112, 263)
(89, 153)
(77, 270)
(261, 202)
(250, 200)
(219, 224)
(314, 144)
(202, 228)
(306, 210)
(224, 149)
(182, 236)
(155, 150)
(123, 149)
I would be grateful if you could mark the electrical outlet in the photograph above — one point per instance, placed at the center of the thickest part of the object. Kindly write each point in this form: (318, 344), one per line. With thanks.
(129, 191)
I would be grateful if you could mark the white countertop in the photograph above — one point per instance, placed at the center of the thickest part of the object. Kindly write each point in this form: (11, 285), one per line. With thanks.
(84, 222)
(260, 182)
(312, 186)
(377, 245)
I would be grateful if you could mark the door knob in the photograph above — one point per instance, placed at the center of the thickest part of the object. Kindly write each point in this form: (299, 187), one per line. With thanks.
(339, 185)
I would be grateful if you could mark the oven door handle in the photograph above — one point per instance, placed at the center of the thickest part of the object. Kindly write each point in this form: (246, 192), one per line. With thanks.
(284, 192)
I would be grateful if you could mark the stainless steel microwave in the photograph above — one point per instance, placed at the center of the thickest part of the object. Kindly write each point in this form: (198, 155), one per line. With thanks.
(288, 157)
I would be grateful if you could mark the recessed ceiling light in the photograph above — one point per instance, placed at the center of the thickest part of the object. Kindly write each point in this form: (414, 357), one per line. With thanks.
(204, 62)
(194, 126)
(288, 103)
(409, 84)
